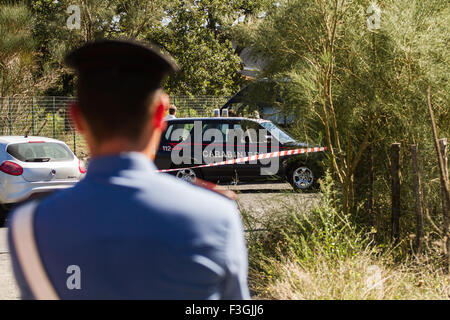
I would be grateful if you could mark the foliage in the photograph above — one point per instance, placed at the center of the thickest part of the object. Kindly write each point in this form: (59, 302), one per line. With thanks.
(198, 34)
(321, 254)
(208, 64)
(302, 235)
(16, 49)
(355, 89)
(99, 19)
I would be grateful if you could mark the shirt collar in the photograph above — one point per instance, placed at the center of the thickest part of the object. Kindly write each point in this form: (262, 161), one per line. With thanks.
(112, 164)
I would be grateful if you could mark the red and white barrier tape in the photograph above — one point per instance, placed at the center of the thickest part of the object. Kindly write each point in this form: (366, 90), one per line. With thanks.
(253, 158)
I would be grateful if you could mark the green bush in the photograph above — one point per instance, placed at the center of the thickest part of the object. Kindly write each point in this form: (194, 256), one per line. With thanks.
(321, 254)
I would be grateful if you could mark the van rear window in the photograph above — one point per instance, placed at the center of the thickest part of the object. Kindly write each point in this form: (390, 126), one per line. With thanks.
(40, 152)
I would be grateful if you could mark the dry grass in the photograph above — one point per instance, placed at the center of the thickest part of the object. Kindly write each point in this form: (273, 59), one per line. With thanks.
(320, 253)
(356, 278)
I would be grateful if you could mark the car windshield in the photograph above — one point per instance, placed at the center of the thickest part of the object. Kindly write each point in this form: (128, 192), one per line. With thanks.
(40, 152)
(282, 136)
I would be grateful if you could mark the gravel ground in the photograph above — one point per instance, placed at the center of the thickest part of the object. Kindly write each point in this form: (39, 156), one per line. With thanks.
(8, 288)
(257, 200)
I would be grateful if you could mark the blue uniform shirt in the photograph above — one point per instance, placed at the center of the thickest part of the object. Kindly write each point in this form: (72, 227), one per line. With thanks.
(138, 234)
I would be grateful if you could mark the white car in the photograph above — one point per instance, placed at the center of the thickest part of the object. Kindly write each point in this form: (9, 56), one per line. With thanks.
(34, 166)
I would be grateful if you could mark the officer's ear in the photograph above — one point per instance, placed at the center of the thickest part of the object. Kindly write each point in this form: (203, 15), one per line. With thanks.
(162, 104)
(76, 117)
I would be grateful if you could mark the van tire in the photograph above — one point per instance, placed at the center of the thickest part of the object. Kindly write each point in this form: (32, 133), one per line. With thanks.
(301, 177)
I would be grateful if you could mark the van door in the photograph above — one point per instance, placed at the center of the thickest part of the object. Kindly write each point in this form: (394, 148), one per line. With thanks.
(176, 135)
(247, 146)
(214, 141)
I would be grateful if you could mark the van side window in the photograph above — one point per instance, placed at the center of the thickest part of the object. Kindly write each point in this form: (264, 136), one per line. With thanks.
(250, 130)
(222, 127)
(178, 131)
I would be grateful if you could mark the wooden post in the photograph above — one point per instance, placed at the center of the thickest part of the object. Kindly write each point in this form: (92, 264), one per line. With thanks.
(444, 179)
(370, 200)
(395, 189)
(443, 149)
(418, 196)
(371, 179)
(10, 116)
(445, 206)
(32, 116)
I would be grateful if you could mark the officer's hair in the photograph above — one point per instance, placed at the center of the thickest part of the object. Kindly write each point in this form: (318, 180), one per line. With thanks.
(116, 103)
(172, 109)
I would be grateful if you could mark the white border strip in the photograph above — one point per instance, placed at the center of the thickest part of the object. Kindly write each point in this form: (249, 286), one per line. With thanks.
(252, 158)
(28, 254)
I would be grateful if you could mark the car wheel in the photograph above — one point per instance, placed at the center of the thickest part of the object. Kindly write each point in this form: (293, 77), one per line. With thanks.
(187, 175)
(301, 178)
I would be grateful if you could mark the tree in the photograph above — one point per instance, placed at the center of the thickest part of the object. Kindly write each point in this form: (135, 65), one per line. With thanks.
(199, 35)
(16, 49)
(360, 87)
(208, 65)
(55, 39)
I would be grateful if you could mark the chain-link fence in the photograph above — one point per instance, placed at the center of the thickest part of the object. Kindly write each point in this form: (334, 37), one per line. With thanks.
(48, 116)
(197, 106)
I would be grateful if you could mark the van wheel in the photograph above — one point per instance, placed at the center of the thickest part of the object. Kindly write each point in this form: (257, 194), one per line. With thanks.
(188, 175)
(301, 178)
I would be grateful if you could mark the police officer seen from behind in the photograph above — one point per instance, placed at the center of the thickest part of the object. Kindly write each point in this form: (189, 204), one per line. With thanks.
(126, 231)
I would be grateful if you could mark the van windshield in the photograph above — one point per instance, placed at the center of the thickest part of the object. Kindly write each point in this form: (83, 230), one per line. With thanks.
(40, 152)
(279, 134)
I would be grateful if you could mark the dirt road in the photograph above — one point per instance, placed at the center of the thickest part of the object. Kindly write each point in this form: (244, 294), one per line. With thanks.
(260, 201)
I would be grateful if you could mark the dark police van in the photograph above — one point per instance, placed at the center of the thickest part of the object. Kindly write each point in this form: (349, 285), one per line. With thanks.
(201, 141)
